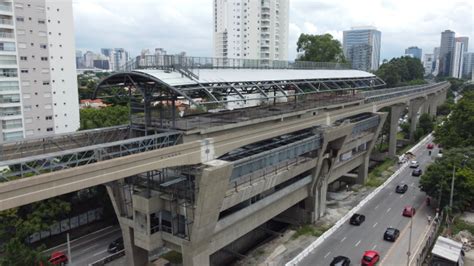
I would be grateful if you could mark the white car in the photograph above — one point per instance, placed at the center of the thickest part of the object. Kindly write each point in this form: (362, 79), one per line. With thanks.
(414, 164)
(440, 153)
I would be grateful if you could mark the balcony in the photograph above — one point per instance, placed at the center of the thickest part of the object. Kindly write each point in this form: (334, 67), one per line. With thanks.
(6, 8)
(12, 125)
(6, 21)
(8, 73)
(7, 35)
(10, 98)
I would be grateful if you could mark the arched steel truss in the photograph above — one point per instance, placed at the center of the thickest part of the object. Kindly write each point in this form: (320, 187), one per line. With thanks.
(153, 104)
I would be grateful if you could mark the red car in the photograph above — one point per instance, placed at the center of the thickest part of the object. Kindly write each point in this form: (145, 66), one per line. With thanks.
(408, 211)
(58, 258)
(430, 146)
(370, 258)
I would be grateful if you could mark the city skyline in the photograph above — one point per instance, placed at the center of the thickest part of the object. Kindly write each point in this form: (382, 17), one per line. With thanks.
(187, 25)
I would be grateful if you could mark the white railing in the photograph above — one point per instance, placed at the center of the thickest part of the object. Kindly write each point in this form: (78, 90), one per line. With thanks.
(346, 217)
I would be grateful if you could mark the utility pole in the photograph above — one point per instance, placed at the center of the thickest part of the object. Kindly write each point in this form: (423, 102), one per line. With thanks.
(452, 188)
(409, 238)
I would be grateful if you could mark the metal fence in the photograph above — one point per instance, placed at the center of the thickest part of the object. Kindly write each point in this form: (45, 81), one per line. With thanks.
(185, 63)
(429, 238)
(68, 224)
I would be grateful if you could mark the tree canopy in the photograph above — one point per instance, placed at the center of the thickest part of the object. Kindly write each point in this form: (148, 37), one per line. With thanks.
(319, 48)
(401, 71)
(436, 182)
(458, 129)
(17, 224)
(105, 117)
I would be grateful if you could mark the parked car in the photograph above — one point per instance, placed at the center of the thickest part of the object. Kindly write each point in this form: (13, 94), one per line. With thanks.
(408, 211)
(357, 219)
(116, 245)
(391, 234)
(58, 258)
(440, 153)
(401, 188)
(430, 146)
(417, 172)
(340, 261)
(414, 164)
(370, 258)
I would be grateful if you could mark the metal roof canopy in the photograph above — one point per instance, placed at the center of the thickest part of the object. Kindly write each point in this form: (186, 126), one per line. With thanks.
(447, 249)
(215, 86)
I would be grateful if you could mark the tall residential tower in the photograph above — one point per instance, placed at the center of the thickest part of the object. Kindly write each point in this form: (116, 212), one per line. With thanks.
(446, 50)
(414, 51)
(251, 29)
(361, 46)
(38, 82)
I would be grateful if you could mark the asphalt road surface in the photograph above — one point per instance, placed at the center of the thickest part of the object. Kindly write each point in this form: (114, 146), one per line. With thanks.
(91, 247)
(384, 210)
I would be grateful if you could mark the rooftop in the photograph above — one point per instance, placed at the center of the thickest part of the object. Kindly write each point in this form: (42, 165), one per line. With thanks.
(447, 249)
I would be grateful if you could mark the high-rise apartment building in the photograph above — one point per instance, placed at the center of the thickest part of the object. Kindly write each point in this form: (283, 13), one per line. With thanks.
(38, 82)
(464, 40)
(428, 63)
(446, 50)
(251, 29)
(457, 61)
(414, 51)
(118, 58)
(468, 65)
(361, 46)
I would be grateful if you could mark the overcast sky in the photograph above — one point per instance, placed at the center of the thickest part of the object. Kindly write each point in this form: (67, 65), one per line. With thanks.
(186, 25)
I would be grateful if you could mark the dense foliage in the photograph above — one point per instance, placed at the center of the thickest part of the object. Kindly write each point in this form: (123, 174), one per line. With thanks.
(105, 117)
(436, 182)
(17, 224)
(401, 71)
(458, 129)
(319, 48)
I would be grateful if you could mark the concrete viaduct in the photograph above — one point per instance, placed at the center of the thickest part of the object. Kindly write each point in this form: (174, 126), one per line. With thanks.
(208, 180)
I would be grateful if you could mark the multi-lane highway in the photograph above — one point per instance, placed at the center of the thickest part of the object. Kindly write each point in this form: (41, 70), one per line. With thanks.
(90, 248)
(384, 210)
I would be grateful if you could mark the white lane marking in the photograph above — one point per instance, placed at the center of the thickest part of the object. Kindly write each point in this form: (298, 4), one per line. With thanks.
(412, 184)
(388, 210)
(327, 254)
(375, 224)
(100, 252)
(374, 247)
(357, 243)
(342, 240)
(376, 206)
(86, 249)
(401, 196)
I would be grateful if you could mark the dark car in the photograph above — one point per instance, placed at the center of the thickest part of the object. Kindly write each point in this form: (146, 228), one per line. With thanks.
(391, 234)
(340, 261)
(402, 188)
(116, 245)
(417, 172)
(357, 219)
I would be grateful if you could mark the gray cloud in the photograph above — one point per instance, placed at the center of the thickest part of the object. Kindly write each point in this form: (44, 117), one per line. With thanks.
(186, 25)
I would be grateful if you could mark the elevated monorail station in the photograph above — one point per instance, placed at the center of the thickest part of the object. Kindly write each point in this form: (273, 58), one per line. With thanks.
(218, 151)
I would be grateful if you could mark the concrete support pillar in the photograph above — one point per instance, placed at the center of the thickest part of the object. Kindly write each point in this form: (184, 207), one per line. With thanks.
(135, 256)
(212, 184)
(396, 111)
(363, 170)
(414, 108)
(433, 102)
(426, 107)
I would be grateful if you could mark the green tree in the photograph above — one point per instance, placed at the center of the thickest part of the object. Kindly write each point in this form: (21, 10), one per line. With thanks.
(402, 71)
(105, 117)
(436, 182)
(17, 224)
(458, 129)
(319, 48)
(426, 123)
(444, 109)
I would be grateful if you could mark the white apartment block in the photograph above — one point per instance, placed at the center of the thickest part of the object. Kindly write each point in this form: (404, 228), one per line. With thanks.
(428, 63)
(249, 29)
(457, 60)
(38, 82)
